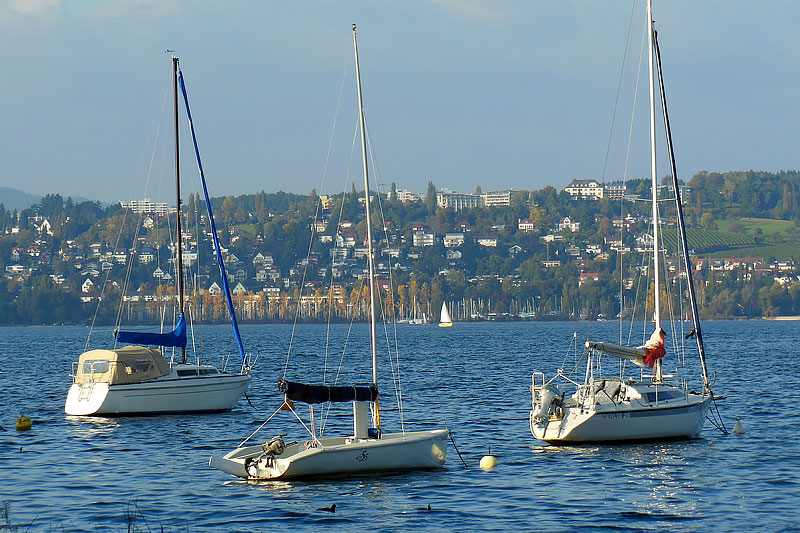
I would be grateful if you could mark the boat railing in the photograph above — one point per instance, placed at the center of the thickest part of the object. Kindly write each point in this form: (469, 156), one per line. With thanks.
(538, 383)
(536, 389)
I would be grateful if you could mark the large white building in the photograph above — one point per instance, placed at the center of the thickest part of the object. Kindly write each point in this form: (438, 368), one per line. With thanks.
(497, 198)
(407, 196)
(585, 189)
(457, 201)
(147, 206)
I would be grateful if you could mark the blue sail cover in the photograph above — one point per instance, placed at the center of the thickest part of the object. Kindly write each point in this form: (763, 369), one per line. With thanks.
(226, 288)
(176, 338)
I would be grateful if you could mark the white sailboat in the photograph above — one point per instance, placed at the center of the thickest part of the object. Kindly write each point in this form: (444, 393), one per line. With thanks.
(618, 409)
(368, 449)
(444, 318)
(137, 379)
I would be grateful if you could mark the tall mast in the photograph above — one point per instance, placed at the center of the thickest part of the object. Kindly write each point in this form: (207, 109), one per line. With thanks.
(370, 259)
(654, 179)
(653, 170)
(178, 195)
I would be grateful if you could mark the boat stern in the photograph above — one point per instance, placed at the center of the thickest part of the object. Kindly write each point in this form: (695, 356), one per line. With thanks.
(85, 398)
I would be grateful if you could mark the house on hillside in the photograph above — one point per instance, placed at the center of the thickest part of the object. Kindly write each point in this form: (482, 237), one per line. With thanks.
(453, 240)
(568, 224)
(588, 276)
(525, 225)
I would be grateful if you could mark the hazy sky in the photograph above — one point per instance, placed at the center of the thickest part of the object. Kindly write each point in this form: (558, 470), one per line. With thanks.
(497, 93)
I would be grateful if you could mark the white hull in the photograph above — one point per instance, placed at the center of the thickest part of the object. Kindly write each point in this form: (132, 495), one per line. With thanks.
(163, 395)
(624, 421)
(339, 456)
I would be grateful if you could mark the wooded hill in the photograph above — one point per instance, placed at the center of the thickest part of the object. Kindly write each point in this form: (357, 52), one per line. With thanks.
(497, 271)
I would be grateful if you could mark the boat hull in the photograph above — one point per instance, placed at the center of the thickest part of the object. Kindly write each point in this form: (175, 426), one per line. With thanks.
(339, 456)
(180, 395)
(684, 421)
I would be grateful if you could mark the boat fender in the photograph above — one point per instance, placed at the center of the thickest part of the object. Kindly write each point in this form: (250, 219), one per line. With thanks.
(550, 394)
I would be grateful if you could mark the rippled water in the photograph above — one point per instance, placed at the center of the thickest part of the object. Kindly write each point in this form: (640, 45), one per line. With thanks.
(151, 473)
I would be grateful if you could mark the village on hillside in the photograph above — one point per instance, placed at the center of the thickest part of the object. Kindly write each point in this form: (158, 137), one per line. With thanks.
(504, 254)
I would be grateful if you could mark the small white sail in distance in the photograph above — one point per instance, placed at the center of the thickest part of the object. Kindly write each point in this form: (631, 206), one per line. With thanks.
(444, 320)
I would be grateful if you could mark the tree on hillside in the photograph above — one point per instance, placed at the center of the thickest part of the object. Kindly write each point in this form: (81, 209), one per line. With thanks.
(430, 198)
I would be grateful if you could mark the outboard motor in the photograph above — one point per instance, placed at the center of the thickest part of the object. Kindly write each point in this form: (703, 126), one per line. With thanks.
(274, 446)
(549, 394)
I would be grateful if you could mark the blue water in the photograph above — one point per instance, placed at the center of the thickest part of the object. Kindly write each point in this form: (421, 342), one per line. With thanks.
(151, 473)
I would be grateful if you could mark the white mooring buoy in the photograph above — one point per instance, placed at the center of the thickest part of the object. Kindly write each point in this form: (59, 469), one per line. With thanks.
(488, 462)
(738, 428)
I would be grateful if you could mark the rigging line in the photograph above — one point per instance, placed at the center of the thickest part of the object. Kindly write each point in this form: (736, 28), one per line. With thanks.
(278, 410)
(344, 351)
(395, 376)
(129, 267)
(333, 130)
(637, 297)
(147, 182)
(330, 293)
(319, 203)
(108, 274)
(294, 324)
(633, 109)
(681, 227)
(619, 87)
(670, 305)
(378, 189)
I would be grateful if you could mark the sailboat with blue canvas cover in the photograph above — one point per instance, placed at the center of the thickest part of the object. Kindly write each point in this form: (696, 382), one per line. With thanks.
(137, 379)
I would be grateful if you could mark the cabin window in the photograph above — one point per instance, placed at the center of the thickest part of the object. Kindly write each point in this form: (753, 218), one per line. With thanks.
(143, 364)
(182, 373)
(208, 371)
(95, 366)
(662, 396)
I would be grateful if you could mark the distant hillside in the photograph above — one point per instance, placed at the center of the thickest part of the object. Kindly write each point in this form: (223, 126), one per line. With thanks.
(14, 199)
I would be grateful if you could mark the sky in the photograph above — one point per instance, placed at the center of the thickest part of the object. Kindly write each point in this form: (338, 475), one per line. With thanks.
(499, 94)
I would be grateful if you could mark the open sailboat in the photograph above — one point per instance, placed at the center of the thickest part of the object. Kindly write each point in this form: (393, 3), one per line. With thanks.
(368, 449)
(618, 408)
(444, 320)
(137, 379)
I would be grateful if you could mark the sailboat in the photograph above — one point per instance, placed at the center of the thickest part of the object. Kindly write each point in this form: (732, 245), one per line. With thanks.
(444, 319)
(617, 409)
(368, 449)
(137, 379)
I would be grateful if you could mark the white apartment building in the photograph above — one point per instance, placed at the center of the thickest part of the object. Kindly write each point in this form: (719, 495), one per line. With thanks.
(497, 198)
(147, 206)
(408, 196)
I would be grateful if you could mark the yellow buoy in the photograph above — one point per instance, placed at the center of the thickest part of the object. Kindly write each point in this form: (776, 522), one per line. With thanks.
(24, 423)
(488, 462)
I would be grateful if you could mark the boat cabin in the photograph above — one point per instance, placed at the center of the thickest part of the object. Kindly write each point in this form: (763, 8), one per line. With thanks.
(130, 364)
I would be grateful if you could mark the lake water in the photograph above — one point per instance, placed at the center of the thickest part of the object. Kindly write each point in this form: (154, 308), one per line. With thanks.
(151, 473)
